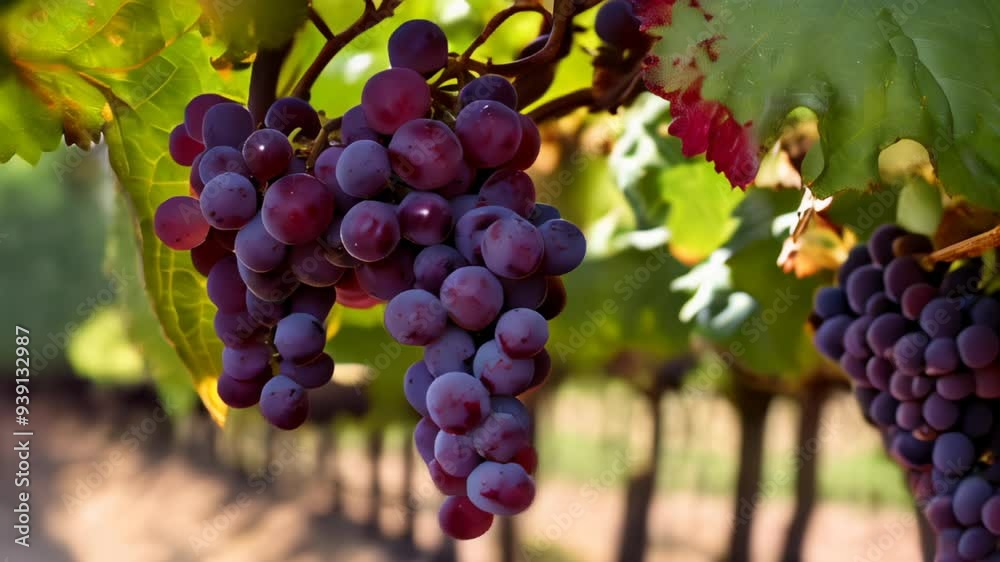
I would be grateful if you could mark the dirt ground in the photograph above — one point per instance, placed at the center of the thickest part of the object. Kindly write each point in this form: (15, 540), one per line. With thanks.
(100, 497)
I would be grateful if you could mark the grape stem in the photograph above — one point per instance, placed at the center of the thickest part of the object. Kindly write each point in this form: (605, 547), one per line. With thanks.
(321, 140)
(368, 19)
(320, 25)
(498, 20)
(968, 248)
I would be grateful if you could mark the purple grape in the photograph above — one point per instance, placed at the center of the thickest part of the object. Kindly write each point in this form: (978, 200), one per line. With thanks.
(299, 338)
(921, 386)
(314, 301)
(879, 304)
(986, 312)
(883, 409)
(513, 248)
(220, 160)
(179, 223)
(451, 352)
(460, 184)
(941, 318)
(617, 25)
(489, 87)
(528, 149)
(229, 201)
(521, 333)
(325, 171)
(862, 284)
(313, 374)
(990, 515)
(988, 381)
(829, 338)
(940, 413)
(978, 346)
(433, 264)
(500, 373)
(941, 356)
(272, 286)
(354, 126)
(205, 255)
(884, 332)
(225, 288)
(528, 292)
(462, 204)
(555, 299)
(969, 498)
(471, 227)
(297, 209)
(309, 264)
(284, 403)
(490, 133)
(288, 114)
(939, 513)
(902, 274)
(857, 257)
(976, 543)
(194, 113)
(565, 247)
(908, 353)
(336, 252)
(248, 363)
(461, 520)
(880, 243)
(236, 330)
(267, 153)
(956, 386)
(418, 45)
(457, 402)
(240, 394)
(446, 483)
(953, 454)
(511, 189)
(389, 277)
(500, 437)
(393, 97)
(830, 302)
(543, 213)
(370, 231)
(194, 177)
(424, 218)
(854, 339)
(262, 312)
(424, 435)
(472, 296)
(227, 124)
(425, 154)
(183, 149)
(915, 298)
(416, 381)
(909, 415)
(456, 454)
(415, 317)
(363, 169)
(856, 368)
(257, 249)
(501, 489)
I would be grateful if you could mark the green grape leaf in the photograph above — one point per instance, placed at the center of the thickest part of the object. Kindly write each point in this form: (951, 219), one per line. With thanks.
(701, 206)
(247, 26)
(874, 72)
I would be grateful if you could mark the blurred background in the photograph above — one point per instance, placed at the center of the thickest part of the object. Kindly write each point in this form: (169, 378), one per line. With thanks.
(687, 419)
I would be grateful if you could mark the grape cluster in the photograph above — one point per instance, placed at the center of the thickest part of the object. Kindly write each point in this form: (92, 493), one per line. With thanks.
(422, 203)
(921, 347)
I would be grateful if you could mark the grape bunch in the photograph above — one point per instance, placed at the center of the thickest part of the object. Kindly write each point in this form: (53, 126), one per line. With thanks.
(422, 202)
(921, 347)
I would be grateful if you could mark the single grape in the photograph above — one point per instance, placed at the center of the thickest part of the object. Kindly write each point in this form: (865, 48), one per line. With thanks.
(862, 284)
(351, 295)
(969, 499)
(472, 296)
(325, 171)
(225, 288)
(299, 338)
(490, 133)
(194, 177)
(856, 257)
(879, 304)
(389, 277)
(941, 414)
(509, 188)
(939, 513)
(314, 301)
(901, 387)
(461, 205)
(229, 201)
(273, 286)
(528, 292)
(880, 243)
(336, 252)
(236, 330)
(288, 114)
(829, 338)
(542, 369)
(416, 381)
(830, 302)
(565, 247)
(990, 514)
(205, 255)
(555, 298)
(976, 543)
(500, 373)
(247, 363)
(284, 403)
(425, 154)
(363, 169)
(424, 435)
(183, 149)
(915, 298)
(418, 45)
(415, 317)
(885, 331)
(461, 520)
(501, 489)
(194, 113)
(313, 374)
(219, 160)
(393, 97)
(956, 386)
(179, 224)
(909, 415)
(854, 339)
(909, 351)
(451, 352)
(456, 454)
(262, 312)
(424, 218)
(471, 227)
(988, 381)
(530, 146)
(457, 402)
(489, 87)
(433, 264)
(521, 333)
(527, 457)
(941, 356)
(942, 317)
(542, 213)
(267, 153)
(856, 368)
(460, 184)
(901, 274)
(883, 409)
(446, 484)
(617, 25)
(354, 126)
(227, 124)
(240, 394)
(978, 346)
(953, 453)
(500, 437)
(309, 264)
(297, 209)
(370, 230)
(257, 249)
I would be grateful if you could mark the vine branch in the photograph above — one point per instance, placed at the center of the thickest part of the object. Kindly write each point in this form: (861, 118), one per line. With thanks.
(321, 140)
(264, 80)
(970, 247)
(320, 25)
(369, 18)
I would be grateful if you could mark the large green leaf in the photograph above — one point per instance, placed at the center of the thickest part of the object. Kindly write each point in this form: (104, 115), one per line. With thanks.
(874, 72)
